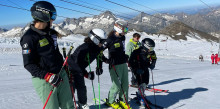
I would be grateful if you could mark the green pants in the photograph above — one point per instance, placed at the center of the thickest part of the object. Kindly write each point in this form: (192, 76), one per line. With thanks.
(61, 96)
(122, 71)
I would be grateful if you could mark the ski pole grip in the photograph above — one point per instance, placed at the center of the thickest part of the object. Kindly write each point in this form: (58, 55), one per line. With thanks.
(71, 48)
(64, 52)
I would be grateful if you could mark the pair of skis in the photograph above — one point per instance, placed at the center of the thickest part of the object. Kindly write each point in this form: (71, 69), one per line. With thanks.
(150, 89)
(149, 103)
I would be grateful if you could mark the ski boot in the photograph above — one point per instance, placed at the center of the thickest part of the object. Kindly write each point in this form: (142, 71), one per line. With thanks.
(83, 106)
(142, 103)
(114, 105)
(124, 105)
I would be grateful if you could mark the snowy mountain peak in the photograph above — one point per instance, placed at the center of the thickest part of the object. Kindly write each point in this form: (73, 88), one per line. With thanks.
(3, 30)
(179, 30)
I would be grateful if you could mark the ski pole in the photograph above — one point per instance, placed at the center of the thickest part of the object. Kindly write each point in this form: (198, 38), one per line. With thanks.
(92, 80)
(98, 81)
(70, 76)
(143, 98)
(121, 86)
(153, 88)
(64, 63)
(142, 94)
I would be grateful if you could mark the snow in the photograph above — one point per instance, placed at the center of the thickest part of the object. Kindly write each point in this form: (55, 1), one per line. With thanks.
(179, 33)
(192, 84)
(12, 32)
(170, 17)
(70, 27)
(145, 19)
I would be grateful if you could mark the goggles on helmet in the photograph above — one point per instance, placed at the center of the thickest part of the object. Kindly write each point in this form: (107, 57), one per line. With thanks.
(150, 49)
(53, 15)
(97, 37)
(124, 29)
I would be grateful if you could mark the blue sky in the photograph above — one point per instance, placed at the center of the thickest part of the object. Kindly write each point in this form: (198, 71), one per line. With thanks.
(10, 16)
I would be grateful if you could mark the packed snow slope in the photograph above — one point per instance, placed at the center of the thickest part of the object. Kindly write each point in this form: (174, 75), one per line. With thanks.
(192, 84)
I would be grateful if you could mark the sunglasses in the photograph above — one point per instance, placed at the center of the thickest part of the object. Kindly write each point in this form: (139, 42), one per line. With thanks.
(53, 15)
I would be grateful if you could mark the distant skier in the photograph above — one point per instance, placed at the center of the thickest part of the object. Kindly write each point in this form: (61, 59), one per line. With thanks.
(201, 58)
(42, 58)
(213, 58)
(140, 60)
(85, 54)
(117, 65)
(132, 45)
(216, 58)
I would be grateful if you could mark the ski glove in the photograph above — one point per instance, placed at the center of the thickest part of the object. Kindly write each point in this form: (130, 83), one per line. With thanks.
(140, 71)
(152, 66)
(99, 71)
(53, 79)
(90, 75)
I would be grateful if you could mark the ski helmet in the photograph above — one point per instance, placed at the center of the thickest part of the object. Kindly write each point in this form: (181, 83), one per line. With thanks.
(121, 26)
(43, 11)
(97, 36)
(148, 44)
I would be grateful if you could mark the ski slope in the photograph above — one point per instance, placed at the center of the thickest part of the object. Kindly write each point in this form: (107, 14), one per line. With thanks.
(192, 84)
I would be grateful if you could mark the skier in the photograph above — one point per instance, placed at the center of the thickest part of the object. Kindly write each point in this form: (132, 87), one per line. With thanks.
(140, 60)
(213, 58)
(82, 57)
(117, 65)
(216, 58)
(132, 45)
(42, 58)
(201, 58)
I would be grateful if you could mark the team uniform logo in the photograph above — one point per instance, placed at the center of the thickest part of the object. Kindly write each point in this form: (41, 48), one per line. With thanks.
(26, 51)
(43, 42)
(25, 45)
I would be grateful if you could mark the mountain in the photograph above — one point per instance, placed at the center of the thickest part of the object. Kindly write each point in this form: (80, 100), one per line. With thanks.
(14, 32)
(147, 23)
(179, 30)
(208, 22)
(84, 24)
(3, 30)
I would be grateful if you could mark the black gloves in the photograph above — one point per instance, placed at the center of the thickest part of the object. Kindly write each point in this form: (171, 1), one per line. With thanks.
(99, 71)
(90, 75)
(53, 79)
(152, 65)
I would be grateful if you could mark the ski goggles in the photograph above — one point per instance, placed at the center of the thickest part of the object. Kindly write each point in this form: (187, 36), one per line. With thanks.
(53, 15)
(97, 37)
(124, 29)
(150, 49)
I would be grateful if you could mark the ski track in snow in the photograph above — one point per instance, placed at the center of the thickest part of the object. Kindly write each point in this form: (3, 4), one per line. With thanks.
(192, 84)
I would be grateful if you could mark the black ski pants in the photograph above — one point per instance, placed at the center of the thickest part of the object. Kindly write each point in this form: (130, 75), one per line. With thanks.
(142, 78)
(80, 86)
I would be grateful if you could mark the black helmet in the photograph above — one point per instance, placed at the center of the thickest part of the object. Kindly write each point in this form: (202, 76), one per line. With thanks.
(148, 44)
(43, 11)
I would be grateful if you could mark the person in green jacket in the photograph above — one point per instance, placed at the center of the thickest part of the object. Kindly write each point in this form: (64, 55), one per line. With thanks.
(132, 45)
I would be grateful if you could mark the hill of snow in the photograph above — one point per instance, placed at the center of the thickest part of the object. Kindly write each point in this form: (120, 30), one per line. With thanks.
(192, 84)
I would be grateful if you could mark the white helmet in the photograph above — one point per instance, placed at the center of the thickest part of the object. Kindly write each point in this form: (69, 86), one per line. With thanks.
(121, 26)
(97, 36)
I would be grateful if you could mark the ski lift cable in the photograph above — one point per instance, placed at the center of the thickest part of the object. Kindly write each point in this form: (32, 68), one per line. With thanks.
(95, 9)
(23, 9)
(134, 9)
(69, 2)
(103, 7)
(143, 6)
